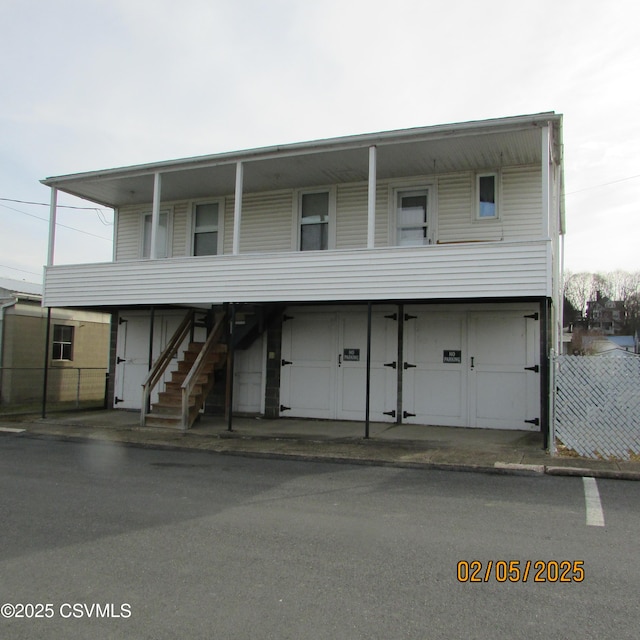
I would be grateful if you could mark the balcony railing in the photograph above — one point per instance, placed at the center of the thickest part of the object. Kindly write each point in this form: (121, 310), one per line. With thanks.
(456, 271)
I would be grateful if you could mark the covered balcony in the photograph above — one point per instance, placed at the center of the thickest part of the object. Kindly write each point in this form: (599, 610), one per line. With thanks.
(465, 270)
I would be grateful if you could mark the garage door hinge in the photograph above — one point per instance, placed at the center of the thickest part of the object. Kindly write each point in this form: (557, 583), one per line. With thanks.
(283, 408)
(122, 320)
(535, 421)
(391, 413)
(533, 316)
(406, 414)
(393, 316)
(407, 365)
(119, 360)
(116, 400)
(286, 317)
(535, 368)
(408, 316)
(390, 364)
(284, 362)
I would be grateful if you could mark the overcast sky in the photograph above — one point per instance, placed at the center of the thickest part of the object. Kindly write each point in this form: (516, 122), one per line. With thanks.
(93, 84)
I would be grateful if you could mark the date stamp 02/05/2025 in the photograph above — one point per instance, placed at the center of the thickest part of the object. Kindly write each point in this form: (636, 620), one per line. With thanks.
(521, 571)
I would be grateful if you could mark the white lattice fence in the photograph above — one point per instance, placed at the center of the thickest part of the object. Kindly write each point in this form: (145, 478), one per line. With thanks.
(596, 405)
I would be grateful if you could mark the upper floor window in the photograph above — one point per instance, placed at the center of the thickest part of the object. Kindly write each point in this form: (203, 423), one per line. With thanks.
(487, 196)
(162, 238)
(412, 217)
(62, 342)
(314, 221)
(207, 229)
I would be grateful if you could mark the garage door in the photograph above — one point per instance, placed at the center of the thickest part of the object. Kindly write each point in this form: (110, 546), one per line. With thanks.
(471, 368)
(324, 357)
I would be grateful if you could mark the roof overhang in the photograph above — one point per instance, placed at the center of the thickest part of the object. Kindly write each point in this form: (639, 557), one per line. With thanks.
(431, 150)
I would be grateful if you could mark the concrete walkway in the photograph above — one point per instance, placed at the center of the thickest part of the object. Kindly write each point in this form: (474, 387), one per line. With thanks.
(484, 450)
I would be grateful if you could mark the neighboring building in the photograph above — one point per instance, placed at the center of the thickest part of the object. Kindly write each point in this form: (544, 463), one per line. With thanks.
(450, 233)
(78, 349)
(608, 316)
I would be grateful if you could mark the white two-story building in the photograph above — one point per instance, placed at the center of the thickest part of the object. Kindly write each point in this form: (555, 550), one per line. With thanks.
(404, 276)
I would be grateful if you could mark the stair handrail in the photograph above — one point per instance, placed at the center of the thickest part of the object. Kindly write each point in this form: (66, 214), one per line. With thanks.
(196, 369)
(164, 359)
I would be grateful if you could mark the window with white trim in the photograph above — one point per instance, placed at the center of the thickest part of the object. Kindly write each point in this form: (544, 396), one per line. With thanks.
(314, 221)
(162, 237)
(62, 347)
(412, 217)
(207, 231)
(487, 196)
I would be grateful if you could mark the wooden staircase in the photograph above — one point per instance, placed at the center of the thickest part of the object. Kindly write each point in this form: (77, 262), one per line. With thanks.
(167, 411)
(178, 405)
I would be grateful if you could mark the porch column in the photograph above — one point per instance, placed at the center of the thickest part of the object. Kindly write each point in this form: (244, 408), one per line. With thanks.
(237, 208)
(546, 180)
(53, 212)
(155, 215)
(371, 211)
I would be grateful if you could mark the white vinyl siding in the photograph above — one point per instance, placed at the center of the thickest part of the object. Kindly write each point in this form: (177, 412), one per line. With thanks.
(492, 269)
(269, 221)
(266, 222)
(180, 240)
(128, 233)
(521, 202)
(351, 216)
(456, 212)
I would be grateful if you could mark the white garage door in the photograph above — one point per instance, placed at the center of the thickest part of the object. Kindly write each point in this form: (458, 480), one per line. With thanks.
(324, 356)
(472, 368)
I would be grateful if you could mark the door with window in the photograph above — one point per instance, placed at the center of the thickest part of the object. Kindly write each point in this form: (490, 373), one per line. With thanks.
(412, 217)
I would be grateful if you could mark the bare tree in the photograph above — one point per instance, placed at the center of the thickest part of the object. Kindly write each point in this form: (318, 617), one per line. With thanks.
(579, 288)
(620, 286)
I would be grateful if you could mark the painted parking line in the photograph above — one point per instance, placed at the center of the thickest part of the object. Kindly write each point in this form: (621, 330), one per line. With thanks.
(595, 516)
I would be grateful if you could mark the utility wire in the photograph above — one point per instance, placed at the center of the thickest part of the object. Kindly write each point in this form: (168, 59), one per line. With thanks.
(604, 184)
(6, 266)
(99, 211)
(60, 206)
(58, 224)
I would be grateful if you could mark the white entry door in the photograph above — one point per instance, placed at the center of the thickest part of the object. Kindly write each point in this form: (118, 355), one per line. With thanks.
(504, 378)
(309, 364)
(434, 367)
(352, 366)
(132, 359)
(324, 357)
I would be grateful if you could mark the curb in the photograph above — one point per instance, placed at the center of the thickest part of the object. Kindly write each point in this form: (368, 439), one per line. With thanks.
(498, 468)
(605, 474)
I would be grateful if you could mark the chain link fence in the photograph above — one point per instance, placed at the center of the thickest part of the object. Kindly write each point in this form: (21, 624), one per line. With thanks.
(596, 406)
(22, 388)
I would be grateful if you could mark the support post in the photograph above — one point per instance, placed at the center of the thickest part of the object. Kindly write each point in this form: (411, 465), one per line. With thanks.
(368, 389)
(53, 213)
(155, 215)
(371, 209)
(230, 366)
(46, 363)
(237, 208)
(400, 360)
(152, 317)
(545, 387)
